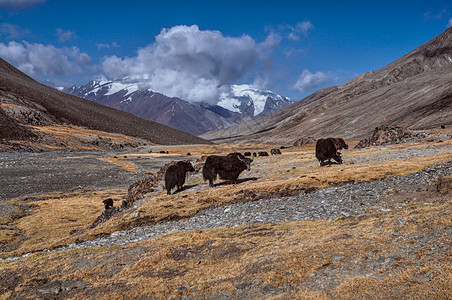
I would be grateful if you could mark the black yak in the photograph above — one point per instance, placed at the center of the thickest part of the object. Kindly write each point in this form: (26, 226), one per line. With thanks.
(275, 151)
(262, 153)
(175, 175)
(108, 203)
(339, 143)
(227, 167)
(327, 149)
(247, 154)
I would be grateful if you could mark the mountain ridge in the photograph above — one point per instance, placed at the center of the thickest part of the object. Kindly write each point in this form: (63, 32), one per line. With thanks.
(42, 104)
(244, 103)
(414, 91)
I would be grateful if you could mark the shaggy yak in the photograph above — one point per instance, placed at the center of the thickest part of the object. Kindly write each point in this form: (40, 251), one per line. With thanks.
(228, 167)
(175, 175)
(327, 149)
(275, 151)
(108, 203)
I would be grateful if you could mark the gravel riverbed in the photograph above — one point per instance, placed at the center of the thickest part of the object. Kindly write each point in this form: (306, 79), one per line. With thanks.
(352, 199)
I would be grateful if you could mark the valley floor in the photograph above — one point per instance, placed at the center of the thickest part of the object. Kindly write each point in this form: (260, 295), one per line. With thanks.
(378, 226)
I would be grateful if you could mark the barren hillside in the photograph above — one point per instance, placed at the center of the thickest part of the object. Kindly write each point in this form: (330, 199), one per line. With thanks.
(28, 106)
(414, 92)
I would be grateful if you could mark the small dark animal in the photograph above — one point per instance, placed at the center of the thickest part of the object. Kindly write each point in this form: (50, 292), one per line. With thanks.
(108, 203)
(175, 175)
(327, 149)
(275, 151)
(188, 154)
(161, 151)
(254, 154)
(443, 127)
(227, 167)
(247, 154)
(263, 153)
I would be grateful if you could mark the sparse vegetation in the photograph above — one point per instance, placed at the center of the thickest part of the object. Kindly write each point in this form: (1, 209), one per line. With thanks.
(370, 256)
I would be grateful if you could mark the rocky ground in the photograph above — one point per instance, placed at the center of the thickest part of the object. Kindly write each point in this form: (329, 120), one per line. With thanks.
(352, 201)
(28, 173)
(355, 199)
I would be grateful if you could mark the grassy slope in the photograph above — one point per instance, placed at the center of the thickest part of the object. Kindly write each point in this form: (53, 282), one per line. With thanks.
(217, 260)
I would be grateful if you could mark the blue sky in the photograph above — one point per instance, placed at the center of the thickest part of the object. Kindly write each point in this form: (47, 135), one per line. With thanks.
(196, 49)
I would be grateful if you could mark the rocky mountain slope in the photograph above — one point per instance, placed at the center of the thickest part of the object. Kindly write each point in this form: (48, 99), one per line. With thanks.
(414, 92)
(242, 103)
(27, 105)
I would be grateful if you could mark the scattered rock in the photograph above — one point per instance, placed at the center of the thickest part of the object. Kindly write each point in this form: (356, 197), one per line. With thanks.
(444, 185)
(58, 286)
(257, 281)
(388, 135)
(304, 141)
(242, 286)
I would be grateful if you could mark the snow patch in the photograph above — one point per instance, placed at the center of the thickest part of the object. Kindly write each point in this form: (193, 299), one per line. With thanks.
(232, 101)
(116, 86)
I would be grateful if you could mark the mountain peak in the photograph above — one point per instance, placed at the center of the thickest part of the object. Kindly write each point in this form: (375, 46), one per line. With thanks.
(247, 99)
(241, 102)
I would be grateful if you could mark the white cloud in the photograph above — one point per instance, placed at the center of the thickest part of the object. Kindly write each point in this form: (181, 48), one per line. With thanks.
(308, 81)
(292, 36)
(272, 40)
(301, 28)
(190, 63)
(18, 4)
(450, 23)
(37, 59)
(10, 31)
(64, 35)
(304, 27)
(107, 46)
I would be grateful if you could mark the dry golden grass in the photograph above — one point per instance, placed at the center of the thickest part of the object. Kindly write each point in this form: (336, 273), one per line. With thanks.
(274, 176)
(71, 137)
(217, 260)
(55, 215)
(126, 165)
(407, 284)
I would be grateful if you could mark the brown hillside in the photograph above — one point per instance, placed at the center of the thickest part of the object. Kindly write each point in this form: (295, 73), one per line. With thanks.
(414, 92)
(35, 104)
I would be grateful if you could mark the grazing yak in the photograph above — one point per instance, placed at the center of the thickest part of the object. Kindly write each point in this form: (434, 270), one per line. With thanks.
(247, 153)
(262, 153)
(175, 175)
(327, 149)
(108, 203)
(227, 167)
(275, 151)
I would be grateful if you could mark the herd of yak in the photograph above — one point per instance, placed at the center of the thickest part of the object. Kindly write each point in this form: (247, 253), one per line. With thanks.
(230, 166)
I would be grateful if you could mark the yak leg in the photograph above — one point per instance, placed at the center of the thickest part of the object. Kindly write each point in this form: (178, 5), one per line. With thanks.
(337, 157)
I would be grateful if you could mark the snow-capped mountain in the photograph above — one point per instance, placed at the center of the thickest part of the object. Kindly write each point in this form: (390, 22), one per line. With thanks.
(253, 102)
(242, 103)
